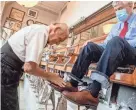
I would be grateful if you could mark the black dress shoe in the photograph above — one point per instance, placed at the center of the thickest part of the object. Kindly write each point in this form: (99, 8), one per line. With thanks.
(83, 98)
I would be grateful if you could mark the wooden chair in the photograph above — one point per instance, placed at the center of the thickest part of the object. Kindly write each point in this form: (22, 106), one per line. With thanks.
(124, 78)
(59, 58)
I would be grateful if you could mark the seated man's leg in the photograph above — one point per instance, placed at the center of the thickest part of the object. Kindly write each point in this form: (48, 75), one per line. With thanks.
(90, 53)
(117, 52)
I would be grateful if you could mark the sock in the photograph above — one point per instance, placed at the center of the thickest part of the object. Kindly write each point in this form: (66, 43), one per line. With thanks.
(94, 88)
(74, 83)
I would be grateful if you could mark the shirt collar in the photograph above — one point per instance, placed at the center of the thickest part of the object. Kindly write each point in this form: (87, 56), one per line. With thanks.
(47, 28)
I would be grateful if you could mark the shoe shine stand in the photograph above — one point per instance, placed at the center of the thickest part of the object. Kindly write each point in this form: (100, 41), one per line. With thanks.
(81, 84)
(116, 97)
(112, 97)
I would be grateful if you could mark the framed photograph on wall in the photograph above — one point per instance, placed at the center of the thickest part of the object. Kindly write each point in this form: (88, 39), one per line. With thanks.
(6, 33)
(12, 24)
(32, 13)
(37, 22)
(29, 22)
(17, 14)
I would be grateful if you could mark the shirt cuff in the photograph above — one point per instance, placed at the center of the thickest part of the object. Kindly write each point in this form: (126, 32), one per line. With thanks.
(132, 43)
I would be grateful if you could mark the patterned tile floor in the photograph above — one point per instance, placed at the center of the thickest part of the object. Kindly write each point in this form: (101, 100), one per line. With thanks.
(22, 101)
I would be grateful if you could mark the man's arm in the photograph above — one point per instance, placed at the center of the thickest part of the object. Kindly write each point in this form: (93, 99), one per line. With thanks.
(108, 38)
(132, 42)
(34, 47)
(34, 69)
(110, 35)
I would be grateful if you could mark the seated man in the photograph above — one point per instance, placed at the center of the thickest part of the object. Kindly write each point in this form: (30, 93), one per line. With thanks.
(118, 48)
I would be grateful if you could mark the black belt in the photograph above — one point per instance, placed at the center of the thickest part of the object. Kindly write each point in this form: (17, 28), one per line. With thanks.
(11, 59)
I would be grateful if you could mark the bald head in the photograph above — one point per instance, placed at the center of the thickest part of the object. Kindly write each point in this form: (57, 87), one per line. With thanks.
(63, 28)
(58, 32)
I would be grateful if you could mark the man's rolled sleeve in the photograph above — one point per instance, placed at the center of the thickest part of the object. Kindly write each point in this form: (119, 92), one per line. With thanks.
(35, 47)
(109, 36)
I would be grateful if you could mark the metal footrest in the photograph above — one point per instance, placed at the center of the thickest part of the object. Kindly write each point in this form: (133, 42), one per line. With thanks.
(77, 79)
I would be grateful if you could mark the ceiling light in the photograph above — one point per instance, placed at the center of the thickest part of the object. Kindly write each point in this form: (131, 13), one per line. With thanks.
(27, 3)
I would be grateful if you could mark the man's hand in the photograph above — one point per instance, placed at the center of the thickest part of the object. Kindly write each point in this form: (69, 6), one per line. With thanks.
(34, 69)
(54, 78)
(30, 67)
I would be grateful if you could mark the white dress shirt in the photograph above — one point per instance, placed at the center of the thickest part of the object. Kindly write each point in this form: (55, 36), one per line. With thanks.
(29, 42)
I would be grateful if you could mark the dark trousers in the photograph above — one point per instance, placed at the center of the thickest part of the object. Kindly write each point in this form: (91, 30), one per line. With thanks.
(9, 83)
(10, 75)
(117, 52)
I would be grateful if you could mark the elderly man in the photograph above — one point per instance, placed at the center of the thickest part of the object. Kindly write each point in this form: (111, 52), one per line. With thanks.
(118, 48)
(25, 48)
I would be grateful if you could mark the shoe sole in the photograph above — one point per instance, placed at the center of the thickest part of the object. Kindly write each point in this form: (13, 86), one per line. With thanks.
(92, 106)
(55, 88)
(62, 89)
